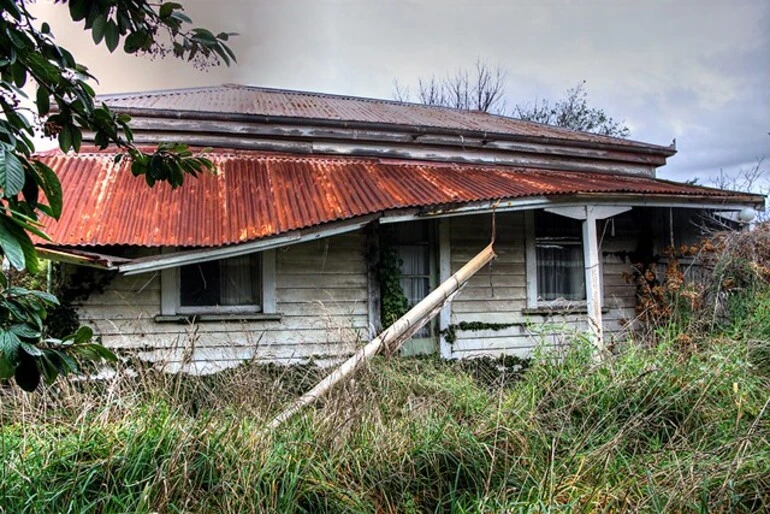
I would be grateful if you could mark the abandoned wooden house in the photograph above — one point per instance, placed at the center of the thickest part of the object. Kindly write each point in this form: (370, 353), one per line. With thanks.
(323, 205)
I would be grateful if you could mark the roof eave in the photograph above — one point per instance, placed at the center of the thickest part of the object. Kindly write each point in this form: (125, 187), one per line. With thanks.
(77, 255)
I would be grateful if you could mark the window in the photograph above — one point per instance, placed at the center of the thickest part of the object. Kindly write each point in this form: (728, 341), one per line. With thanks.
(236, 285)
(556, 246)
(235, 282)
(413, 246)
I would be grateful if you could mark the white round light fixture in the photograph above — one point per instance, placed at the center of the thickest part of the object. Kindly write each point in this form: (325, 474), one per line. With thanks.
(747, 215)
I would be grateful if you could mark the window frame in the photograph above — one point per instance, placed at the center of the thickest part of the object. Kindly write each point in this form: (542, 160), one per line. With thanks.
(533, 297)
(171, 304)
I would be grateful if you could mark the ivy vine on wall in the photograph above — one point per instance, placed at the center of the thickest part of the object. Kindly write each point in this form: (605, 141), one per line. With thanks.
(73, 288)
(450, 333)
(394, 303)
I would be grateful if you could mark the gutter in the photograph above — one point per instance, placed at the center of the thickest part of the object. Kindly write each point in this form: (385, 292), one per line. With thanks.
(82, 258)
(732, 203)
(182, 258)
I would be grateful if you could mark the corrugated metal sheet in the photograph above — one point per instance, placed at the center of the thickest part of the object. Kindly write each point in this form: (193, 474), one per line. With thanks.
(255, 195)
(238, 99)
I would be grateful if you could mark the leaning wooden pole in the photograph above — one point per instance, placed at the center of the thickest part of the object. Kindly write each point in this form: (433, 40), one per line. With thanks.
(395, 335)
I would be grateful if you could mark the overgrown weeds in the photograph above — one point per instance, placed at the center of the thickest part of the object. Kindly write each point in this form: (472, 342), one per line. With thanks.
(649, 429)
(656, 427)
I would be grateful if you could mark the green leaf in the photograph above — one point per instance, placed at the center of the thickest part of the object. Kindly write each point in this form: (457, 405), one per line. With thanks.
(167, 8)
(9, 346)
(19, 74)
(65, 138)
(111, 36)
(15, 310)
(31, 191)
(48, 366)
(11, 8)
(11, 227)
(97, 29)
(11, 246)
(29, 224)
(48, 298)
(48, 72)
(93, 352)
(27, 375)
(181, 17)
(25, 331)
(78, 9)
(83, 335)
(11, 173)
(31, 349)
(77, 137)
(136, 41)
(60, 361)
(43, 101)
(51, 186)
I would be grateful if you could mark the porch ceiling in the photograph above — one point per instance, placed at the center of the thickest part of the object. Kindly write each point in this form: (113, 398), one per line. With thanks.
(255, 195)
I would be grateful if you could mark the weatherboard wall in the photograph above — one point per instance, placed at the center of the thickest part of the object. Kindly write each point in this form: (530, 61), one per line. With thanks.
(323, 302)
(321, 296)
(494, 303)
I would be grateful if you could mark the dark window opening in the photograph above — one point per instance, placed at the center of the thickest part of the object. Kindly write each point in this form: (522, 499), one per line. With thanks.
(228, 282)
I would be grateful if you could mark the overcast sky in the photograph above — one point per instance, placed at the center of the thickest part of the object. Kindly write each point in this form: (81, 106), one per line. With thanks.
(694, 70)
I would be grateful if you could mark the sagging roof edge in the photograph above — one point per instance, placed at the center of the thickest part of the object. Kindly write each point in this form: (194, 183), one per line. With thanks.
(82, 258)
(417, 130)
(191, 256)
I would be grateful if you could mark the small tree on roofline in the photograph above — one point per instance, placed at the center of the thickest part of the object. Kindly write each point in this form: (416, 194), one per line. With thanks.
(482, 88)
(64, 108)
(573, 112)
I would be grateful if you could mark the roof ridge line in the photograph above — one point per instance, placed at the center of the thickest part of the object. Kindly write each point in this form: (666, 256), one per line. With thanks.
(381, 101)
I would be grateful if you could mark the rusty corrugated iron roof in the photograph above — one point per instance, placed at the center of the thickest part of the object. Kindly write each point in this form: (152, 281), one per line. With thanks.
(233, 99)
(256, 194)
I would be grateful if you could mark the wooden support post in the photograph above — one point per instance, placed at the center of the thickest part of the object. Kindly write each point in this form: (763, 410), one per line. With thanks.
(372, 281)
(593, 278)
(591, 257)
(444, 272)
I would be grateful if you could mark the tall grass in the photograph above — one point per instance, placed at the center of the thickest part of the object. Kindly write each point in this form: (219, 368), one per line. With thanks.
(650, 429)
(676, 423)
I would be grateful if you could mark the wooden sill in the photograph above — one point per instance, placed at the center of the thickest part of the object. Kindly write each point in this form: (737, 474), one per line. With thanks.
(203, 318)
(558, 310)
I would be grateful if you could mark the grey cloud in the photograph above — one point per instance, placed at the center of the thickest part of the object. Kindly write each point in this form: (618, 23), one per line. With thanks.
(696, 70)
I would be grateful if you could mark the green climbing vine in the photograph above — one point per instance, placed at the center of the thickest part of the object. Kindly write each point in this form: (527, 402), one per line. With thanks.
(394, 303)
(76, 288)
(450, 332)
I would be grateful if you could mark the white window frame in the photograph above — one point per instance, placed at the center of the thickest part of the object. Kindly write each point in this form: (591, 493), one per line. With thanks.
(171, 304)
(530, 243)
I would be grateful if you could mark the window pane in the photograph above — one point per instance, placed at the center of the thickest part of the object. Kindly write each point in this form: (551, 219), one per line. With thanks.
(554, 226)
(559, 256)
(240, 280)
(415, 276)
(228, 282)
(560, 271)
(199, 284)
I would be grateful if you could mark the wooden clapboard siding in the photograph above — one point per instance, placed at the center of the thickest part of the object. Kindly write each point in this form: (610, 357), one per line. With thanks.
(321, 295)
(498, 293)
